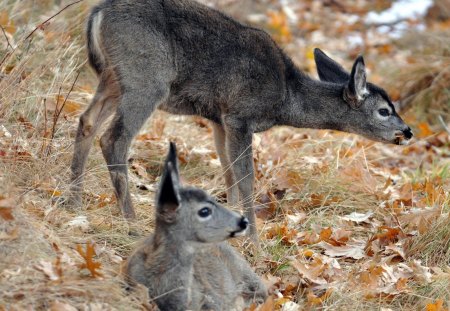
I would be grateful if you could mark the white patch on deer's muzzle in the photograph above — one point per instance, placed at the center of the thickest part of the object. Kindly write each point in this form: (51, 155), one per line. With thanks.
(404, 141)
(240, 233)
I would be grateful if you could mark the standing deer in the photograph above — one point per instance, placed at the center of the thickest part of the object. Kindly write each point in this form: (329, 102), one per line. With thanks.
(185, 264)
(186, 58)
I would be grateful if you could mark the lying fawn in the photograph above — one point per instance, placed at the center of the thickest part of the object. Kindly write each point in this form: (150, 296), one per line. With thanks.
(186, 264)
(185, 58)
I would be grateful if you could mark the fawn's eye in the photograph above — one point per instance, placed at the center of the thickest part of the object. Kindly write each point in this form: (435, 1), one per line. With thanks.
(383, 112)
(204, 212)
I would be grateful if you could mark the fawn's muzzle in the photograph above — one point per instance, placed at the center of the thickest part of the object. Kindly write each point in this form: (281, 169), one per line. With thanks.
(403, 137)
(408, 133)
(243, 223)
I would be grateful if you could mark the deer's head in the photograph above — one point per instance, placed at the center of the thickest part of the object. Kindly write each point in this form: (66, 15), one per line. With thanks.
(372, 113)
(189, 213)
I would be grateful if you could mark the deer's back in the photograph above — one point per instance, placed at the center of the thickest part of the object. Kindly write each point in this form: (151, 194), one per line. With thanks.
(217, 63)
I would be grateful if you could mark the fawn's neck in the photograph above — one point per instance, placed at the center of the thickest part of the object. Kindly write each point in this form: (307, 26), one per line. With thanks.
(176, 254)
(314, 104)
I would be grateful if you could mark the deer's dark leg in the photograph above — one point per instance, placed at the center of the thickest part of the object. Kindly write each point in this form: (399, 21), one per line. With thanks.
(135, 108)
(230, 181)
(239, 147)
(102, 106)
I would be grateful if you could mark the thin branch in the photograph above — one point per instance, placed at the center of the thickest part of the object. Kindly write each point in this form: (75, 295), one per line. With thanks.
(387, 24)
(40, 26)
(6, 37)
(58, 111)
(44, 23)
(445, 126)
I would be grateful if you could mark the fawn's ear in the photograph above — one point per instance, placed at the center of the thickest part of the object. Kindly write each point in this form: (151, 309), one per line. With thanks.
(328, 69)
(357, 86)
(168, 197)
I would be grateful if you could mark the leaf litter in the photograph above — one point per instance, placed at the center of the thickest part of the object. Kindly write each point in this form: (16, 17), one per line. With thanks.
(337, 212)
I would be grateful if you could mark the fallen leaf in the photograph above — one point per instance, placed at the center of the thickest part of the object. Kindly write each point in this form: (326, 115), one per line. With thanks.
(11, 235)
(61, 306)
(6, 213)
(70, 106)
(421, 273)
(351, 251)
(424, 130)
(317, 300)
(437, 306)
(357, 217)
(312, 271)
(79, 222)
(6, 206)
(290, 306)
(296, 218)
(48, 269)
(89, 264)
(268, 305)
(139, 170)
(271, 281)
(396, 250)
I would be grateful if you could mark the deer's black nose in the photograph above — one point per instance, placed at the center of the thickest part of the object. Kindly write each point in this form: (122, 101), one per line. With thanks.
(408, 133)
(243, 223)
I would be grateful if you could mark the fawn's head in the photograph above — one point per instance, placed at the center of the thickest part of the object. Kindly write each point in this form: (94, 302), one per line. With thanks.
(372, 113)
(189, 213)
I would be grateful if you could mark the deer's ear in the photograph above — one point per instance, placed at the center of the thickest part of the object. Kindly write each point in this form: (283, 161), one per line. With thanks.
(357, 85)
(173, 159)
(168, 197)
(328, 69)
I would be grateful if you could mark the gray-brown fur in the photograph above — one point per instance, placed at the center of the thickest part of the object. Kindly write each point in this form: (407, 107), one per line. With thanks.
(185, 58)
(186, 264)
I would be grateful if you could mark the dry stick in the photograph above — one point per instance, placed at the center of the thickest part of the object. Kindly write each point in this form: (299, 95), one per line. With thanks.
(6, 37)
(446, 128)
(39, 26)
(57, 113)
(387, 24)
(45, 126)
(43, 24)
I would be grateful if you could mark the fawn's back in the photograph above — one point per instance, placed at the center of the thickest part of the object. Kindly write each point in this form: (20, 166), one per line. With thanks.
(185, 264)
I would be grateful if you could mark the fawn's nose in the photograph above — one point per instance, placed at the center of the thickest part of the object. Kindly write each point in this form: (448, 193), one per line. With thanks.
(243, 223)
(408, 133)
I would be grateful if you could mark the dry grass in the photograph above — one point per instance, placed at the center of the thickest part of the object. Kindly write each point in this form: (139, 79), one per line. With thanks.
(424, 80)
(317, 174)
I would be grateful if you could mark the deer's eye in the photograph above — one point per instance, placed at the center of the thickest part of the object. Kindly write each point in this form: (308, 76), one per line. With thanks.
(383, 112)
(204, 212)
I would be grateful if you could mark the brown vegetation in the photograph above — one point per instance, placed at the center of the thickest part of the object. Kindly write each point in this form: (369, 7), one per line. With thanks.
(344, 222)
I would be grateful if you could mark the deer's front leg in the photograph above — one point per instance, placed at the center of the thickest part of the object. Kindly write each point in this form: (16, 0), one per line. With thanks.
(239, 147)
(230, 181)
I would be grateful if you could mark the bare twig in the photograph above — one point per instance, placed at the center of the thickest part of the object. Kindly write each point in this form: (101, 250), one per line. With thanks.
(40, 26)
(445, 126)
(387, 24)
(58, 111)
(44, 23)
(44, 137)
(6, 37)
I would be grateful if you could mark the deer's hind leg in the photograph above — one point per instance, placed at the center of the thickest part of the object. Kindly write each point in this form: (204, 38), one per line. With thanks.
(102, 106)
(230, 180)
(137, 104)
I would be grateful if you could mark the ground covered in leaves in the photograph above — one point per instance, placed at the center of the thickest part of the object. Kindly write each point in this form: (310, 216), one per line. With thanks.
(344, 222)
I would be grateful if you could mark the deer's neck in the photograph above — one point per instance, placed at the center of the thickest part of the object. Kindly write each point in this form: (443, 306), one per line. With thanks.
(177, 255)
(314, 104)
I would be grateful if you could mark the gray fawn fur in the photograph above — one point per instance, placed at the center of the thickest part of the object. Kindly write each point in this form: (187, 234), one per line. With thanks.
(185, 264)
(185, 58)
